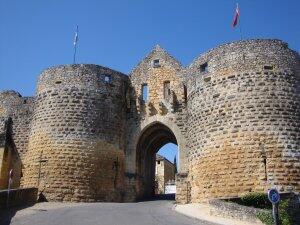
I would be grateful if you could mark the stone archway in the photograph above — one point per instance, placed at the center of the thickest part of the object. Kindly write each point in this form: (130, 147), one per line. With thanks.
(151, 139)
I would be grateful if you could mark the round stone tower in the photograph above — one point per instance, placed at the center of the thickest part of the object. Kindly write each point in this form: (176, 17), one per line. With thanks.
(76, 144)
(244, 119)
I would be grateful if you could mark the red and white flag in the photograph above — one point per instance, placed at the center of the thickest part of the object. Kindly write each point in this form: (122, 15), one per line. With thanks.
(236, 16)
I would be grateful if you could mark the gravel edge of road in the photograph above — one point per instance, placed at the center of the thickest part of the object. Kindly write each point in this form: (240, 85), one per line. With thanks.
(201, 211)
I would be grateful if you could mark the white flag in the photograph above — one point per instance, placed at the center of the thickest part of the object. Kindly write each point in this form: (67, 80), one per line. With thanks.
(76, 36)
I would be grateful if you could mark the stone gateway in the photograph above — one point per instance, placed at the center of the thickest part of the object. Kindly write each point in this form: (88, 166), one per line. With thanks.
(91, 133)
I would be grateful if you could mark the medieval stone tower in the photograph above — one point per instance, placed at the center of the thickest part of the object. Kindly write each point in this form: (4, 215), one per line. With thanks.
(243, 119)
(76, 142)
(91, 133)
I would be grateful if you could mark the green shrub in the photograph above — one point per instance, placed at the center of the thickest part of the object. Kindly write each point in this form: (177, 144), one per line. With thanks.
(284, 217)
(265, 217)
(257, 200)
(260, 200)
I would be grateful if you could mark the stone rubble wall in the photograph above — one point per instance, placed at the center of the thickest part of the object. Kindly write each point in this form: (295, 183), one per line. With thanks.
(237, 125)
(241, 114)
(183, 188)
(20, 109)
(76, 145)
(164, 173)
(157, 110)
(9, 157)
(2, 131)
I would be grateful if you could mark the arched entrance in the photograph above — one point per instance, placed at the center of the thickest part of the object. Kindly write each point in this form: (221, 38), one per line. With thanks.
(152, 138)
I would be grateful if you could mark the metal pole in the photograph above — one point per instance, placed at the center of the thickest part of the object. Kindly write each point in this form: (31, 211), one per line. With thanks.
(8, 190)
(240, 24)
(11, 172)
(187, 192)
(74, 57)
(275, 213)
(116, 167)
(274, 197)
(40, 165)
(241, 31)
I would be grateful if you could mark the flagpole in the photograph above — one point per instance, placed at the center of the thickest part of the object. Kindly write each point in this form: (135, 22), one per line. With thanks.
(240, 24)
(241, 31)
(74, 56)
(75, 45)
(237, 20)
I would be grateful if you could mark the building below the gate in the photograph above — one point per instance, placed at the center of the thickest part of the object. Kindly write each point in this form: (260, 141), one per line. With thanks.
(164, 173)
(91, 133)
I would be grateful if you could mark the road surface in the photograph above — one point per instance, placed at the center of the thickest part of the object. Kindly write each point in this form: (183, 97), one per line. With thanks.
(157, 212)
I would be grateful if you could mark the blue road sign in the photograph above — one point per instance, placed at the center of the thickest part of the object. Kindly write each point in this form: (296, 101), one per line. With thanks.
(273, 195)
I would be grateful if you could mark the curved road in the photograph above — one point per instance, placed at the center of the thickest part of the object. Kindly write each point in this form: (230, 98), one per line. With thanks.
(141, 213)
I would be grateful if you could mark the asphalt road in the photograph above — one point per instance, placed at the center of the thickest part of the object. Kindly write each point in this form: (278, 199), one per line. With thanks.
(157, 212)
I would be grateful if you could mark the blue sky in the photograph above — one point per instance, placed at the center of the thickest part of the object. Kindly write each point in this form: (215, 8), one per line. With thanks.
(36, 34)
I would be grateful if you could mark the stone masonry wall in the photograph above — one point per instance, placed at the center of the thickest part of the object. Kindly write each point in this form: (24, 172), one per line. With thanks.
(183, 188)
(234, 113)
(3, 153)
(9, 157)
(3, 131)
(159, 176)
(19, 108)
(244, 120)
(164, 172)
(76, 145)
(169, 111)
(174, 108)
(169, 170)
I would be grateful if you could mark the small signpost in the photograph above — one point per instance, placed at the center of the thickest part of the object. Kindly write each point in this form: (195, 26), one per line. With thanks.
(11, 173)
(274, 198)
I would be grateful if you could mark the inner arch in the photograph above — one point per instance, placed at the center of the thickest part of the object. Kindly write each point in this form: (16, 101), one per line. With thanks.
(152, 138)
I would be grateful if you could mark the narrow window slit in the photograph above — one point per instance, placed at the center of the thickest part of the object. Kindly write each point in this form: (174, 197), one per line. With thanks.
(145, 92)
(167, 90)
(267, 67)
(264, 157)
(155, 63)
(107, 78)
(204, 68)
(185, 93)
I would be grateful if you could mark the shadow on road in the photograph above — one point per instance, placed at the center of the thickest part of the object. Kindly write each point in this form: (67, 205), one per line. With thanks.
(166, 197)
(6, 215)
